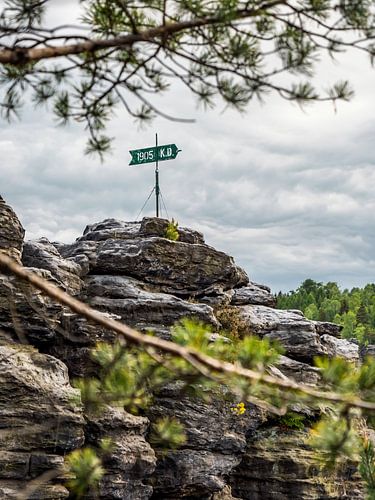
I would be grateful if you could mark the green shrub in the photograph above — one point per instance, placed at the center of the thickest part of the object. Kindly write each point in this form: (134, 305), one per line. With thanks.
(171, 233)
(293, 420)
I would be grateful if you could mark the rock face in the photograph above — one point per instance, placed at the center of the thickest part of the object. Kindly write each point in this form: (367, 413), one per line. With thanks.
(11, 232)
(172, 266)
(278, 464)
(216, 439)
(131, 301)
(254, 294)
(301, 338)
(43, 255)
(130, 271)
(132, 460)
(40, 420)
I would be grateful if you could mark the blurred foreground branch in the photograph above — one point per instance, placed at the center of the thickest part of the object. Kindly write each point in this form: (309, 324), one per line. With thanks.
(198, 360)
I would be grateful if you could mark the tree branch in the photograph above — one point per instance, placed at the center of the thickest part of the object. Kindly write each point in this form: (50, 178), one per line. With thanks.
(24, 55)
(144, 340)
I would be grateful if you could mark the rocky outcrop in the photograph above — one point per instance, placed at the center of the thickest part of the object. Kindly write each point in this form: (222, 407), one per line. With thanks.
(41, 419)
(184, 267)
(131, 272)
(11, 232)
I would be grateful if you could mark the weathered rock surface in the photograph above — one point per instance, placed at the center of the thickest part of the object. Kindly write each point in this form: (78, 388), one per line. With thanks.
(175, 267)
(341, 348)
(150, 226)
(25, 313)
(326, 328)
(40, 420)
(11, 232)
(110, 229)
(43, 255)
(129, 299)
(131, 461)
(302, 339)
(278, 464)
(300, 372)
(291, 329)
(216, 439)
(254, 294)
(80, 252)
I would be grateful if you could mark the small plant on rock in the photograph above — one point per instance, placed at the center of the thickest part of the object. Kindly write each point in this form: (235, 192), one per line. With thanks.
(293, 420)
(232, 322)
(171, 233)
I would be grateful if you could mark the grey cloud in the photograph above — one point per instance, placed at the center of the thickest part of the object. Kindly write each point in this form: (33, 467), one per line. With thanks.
(288, 193)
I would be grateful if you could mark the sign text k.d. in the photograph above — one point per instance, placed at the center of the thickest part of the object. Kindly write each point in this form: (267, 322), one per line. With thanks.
(153, 154)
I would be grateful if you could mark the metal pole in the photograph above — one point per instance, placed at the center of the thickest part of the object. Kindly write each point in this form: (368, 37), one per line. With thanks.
(157, 189)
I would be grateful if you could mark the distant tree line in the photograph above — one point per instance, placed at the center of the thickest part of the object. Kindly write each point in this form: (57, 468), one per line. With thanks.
(353, 309)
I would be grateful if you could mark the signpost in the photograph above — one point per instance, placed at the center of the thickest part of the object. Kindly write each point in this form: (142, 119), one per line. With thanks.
(149, 155)
(154, 154)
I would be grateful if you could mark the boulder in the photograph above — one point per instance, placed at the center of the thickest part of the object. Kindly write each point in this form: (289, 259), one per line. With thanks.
(174, 267)
(291, 329)
(255, 294)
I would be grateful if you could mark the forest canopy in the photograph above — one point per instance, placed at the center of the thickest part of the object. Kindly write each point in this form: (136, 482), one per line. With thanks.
(353, 309)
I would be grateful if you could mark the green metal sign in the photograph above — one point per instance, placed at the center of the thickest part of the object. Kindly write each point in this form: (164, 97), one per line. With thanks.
(154, 154)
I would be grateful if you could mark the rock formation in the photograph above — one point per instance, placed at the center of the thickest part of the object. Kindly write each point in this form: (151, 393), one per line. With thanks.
(11, 233)
(130, 271)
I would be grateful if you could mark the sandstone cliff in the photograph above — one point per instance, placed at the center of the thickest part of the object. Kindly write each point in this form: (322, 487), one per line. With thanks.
(131, 272)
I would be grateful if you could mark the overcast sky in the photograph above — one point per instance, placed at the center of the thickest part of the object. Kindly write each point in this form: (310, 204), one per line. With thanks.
(288, 193)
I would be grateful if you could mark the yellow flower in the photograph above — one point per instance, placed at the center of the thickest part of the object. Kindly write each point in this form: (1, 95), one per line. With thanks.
(239, 408)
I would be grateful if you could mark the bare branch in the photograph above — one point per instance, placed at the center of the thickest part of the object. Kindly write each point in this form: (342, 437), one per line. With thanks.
(144, 341)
